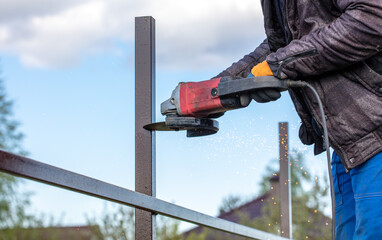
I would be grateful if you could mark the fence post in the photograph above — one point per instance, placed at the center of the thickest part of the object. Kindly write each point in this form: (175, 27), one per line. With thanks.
(145, 181)
(285, 192)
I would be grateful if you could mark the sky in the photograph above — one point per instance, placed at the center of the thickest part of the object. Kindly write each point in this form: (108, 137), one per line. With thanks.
(69, 67)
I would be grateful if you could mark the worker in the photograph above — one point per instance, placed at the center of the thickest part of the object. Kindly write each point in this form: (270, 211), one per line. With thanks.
(335, 45)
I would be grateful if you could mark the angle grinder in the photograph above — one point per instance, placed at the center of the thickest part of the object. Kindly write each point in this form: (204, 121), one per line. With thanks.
(192, 105)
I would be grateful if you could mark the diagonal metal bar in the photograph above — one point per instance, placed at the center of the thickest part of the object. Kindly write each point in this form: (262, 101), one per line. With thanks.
(44, 173)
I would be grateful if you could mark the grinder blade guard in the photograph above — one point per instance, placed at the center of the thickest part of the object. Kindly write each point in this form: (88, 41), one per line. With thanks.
(196, 127)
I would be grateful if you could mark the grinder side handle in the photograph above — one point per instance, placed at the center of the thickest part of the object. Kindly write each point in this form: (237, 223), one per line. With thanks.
(231, 87)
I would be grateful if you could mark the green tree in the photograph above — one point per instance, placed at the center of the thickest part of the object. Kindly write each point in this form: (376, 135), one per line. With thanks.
(308, 206)
(168, 229)
(13, 203)
(119, 224)
(115, 224)
(230, 202)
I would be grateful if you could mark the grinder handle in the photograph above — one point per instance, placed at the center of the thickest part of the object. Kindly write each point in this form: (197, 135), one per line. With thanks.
(231, 87)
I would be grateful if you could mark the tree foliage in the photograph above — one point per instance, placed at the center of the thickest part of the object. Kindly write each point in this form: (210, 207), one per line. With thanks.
(308, 206)
(13, 203)
(10, 136)
(308, 203)
(230, 202)
(119, 224)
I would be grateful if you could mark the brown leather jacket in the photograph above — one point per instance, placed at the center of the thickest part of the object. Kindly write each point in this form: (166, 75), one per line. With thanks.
(336, 46)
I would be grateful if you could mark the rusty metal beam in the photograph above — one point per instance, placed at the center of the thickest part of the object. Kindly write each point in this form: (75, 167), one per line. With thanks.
(285, 193)
(144, 114)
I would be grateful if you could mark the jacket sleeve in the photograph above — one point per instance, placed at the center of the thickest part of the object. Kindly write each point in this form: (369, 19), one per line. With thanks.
(353, 37)
(243, 67)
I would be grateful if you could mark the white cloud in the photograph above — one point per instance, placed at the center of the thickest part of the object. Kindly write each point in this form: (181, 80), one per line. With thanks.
(58, 39)
(23, 9)
(195, 33)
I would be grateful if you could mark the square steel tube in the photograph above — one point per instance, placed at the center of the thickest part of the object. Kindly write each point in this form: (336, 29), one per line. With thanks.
(144, 114)
(285, 191)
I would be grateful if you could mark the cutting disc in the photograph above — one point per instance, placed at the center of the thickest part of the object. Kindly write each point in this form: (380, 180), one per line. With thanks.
(195, 127)
(158, 126)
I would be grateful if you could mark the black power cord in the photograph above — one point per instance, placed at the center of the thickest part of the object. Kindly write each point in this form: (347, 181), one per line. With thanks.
(302, 84)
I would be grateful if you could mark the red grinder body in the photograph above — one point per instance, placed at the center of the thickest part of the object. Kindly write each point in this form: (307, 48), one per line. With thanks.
(200, 99)
(193, 105)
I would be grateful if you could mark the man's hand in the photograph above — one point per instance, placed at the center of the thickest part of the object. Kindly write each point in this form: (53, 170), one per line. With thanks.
(267, 94)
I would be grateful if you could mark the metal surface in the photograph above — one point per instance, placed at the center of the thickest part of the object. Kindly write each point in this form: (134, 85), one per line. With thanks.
(172, 105)
(144, 114)
(285, 193)
(58, 177)
(195, 127)
(158, 126)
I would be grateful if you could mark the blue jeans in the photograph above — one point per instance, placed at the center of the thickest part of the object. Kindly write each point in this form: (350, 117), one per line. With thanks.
(358, 199)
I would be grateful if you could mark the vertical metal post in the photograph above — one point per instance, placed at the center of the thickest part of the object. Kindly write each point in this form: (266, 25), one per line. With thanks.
(144, 114)
(285, 193)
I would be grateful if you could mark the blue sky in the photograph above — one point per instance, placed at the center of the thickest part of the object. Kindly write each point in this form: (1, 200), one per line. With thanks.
(69, 67)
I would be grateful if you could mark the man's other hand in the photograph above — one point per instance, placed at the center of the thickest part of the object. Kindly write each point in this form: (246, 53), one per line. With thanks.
(266, 94)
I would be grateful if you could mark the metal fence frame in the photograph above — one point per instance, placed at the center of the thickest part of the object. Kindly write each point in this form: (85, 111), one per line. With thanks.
(143, 199)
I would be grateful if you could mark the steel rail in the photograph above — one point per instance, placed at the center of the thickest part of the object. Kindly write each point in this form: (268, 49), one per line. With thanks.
(145, 163)
(51, 175)
(285, 188)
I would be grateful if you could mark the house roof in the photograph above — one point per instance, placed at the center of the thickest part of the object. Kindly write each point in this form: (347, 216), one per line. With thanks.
(70, 232)
(252, 208)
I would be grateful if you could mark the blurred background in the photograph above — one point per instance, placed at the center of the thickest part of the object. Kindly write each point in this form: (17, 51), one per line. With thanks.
(67, 99)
